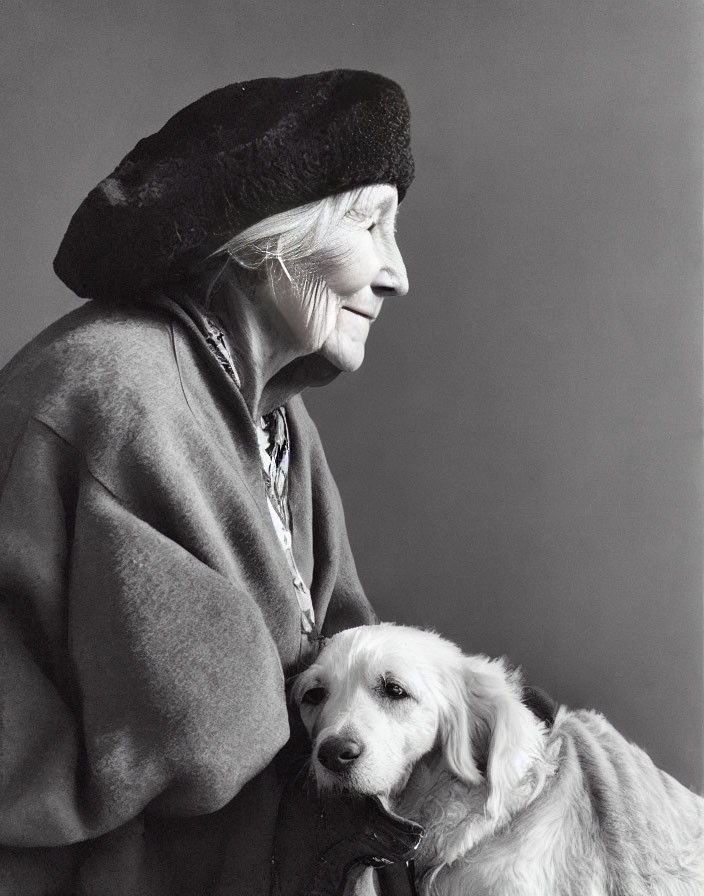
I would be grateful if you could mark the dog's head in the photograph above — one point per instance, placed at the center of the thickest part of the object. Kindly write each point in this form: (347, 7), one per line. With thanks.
(382, 698)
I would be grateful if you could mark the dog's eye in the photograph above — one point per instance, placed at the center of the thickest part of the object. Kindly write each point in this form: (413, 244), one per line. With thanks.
(394, 691)
(314, 696)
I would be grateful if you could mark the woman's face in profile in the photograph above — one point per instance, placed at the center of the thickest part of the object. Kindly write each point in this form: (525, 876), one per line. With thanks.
(359, 267)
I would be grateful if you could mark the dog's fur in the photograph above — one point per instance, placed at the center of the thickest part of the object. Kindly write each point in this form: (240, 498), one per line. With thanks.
(510, 807)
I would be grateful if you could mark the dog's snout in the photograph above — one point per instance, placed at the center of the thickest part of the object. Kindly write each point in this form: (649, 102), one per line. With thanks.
(338, 753)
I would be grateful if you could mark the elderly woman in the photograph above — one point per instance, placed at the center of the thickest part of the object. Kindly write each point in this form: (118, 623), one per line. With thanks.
(173, 541)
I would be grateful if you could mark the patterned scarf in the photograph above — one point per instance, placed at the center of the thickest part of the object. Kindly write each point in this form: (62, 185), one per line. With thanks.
(274, 453)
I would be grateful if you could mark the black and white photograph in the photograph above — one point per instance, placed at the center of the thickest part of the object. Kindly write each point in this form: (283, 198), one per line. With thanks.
(351, 448)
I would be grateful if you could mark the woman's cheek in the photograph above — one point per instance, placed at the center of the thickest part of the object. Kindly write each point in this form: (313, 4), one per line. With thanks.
(313, 315)
(309, 310)
(323, 319)
(353, 272)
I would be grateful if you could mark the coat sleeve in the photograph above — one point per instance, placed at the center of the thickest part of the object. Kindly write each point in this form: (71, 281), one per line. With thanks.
(132, 676)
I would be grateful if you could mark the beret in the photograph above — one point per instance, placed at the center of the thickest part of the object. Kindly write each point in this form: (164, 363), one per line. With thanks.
(225, 162)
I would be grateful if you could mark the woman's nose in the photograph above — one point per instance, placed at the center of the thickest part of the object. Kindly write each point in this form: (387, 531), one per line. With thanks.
(392, 279)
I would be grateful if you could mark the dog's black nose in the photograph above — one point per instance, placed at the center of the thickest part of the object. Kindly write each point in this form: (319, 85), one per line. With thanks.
(338, 753)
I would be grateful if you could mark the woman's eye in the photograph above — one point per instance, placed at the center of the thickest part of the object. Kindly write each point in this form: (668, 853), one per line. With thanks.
(314, 696)
(394, 690)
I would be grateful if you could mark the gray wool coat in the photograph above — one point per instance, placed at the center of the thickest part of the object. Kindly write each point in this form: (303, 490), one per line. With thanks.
(147, 616)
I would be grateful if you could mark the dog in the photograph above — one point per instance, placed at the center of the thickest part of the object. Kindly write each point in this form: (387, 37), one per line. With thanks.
(510, 805)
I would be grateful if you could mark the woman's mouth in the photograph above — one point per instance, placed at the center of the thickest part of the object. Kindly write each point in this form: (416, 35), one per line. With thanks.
(368, 315)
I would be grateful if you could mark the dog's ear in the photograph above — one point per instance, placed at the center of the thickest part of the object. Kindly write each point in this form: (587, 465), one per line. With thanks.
(493, 735)
(465, 721)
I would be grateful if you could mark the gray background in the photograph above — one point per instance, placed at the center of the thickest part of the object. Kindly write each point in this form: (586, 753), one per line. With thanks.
(520, 456)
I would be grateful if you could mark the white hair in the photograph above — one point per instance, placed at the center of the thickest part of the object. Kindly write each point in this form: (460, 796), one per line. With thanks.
(296, 235)
(293, 244)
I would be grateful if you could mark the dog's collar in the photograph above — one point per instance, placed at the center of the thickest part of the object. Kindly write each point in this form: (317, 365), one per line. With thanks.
(398, 879)
(411, 872)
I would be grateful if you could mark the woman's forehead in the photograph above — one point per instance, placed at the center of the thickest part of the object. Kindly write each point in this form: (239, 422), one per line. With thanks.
(377, 197)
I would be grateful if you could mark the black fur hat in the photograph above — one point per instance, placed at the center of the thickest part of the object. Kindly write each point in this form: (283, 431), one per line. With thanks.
(228, 160)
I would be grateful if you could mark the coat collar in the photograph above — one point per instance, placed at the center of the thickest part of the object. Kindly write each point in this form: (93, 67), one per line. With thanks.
(305, 372)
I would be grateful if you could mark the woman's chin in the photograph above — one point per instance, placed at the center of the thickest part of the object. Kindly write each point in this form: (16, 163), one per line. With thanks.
(346, 358)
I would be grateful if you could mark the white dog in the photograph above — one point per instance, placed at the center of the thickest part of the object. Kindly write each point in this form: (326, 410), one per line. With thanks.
(509, 806)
